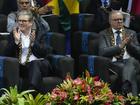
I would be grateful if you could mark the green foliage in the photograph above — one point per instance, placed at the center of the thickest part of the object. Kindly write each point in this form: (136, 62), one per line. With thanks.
(13, 97)
(133, 100)
(38, 100)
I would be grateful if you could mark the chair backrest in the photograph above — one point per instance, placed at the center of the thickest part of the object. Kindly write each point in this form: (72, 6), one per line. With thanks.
(3, 23)
(57, 42)
(84, 5)
(84, 43)
(53, 21)
(135, 23)
(1, 4)
(82, 22)
(3, 42)
(101, 20)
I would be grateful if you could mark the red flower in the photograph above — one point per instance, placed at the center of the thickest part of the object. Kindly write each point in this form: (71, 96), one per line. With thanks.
(107, 103)
(84, 90)
(89, 89)
(76, 97)
(90, 98)
(77, 81)
(96, 78)
(97, 83)
(58, 93)
(121, 98)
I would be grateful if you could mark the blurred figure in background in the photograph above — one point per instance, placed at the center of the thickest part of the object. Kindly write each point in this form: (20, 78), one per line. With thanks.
(28, 5)
(12, 17)
(64, 8)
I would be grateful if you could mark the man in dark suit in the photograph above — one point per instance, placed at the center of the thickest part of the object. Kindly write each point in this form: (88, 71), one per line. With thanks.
(121, 46)
(28, 45)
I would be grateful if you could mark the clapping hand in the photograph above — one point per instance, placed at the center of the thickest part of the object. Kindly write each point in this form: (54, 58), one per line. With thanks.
(127, 39)
(16, 34)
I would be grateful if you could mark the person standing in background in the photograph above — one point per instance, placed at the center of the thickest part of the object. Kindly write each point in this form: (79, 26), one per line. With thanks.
(12, 17)
(64, 9)
(28, 5)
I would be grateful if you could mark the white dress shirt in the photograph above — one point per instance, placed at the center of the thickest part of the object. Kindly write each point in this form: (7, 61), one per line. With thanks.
(25, 41)
(126, 55)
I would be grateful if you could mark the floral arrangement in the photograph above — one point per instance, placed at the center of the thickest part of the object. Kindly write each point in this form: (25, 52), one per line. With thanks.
(81, 91)
(84, 91)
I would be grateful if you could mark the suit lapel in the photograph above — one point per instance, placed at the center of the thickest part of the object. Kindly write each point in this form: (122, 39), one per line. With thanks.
(109, 36)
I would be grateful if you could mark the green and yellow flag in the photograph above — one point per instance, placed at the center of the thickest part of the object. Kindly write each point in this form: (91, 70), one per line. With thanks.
(72, 6)
(64, 8)
(55, 4)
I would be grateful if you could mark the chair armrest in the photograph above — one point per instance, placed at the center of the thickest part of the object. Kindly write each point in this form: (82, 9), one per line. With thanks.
(11, 72)
(62, 65)
(97, 65)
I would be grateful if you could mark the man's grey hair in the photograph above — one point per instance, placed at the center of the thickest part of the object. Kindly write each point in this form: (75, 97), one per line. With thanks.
(113, 12)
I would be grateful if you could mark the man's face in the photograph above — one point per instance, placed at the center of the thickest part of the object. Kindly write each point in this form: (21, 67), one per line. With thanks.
(116, 20)
(24, 23)
(24, 4)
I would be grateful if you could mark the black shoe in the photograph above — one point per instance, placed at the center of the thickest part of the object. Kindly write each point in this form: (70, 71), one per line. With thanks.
(126, 88)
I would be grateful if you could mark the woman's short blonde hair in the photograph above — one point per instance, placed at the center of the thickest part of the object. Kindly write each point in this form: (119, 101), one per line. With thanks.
(27, 13)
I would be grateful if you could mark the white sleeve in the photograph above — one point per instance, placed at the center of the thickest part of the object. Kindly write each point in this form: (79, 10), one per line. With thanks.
(11, 22)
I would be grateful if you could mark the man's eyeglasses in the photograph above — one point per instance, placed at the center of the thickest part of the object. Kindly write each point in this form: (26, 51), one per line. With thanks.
(24, 3)
(119, 19)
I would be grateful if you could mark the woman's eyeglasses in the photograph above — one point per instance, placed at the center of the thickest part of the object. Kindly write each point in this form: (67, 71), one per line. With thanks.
(23, 21)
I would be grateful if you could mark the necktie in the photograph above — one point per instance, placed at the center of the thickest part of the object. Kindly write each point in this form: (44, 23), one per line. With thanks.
(118, 42)
(118, 38)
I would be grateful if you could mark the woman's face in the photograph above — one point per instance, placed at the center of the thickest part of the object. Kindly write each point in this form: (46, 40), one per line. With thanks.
(24, 23)
(24, 4)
